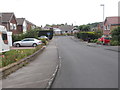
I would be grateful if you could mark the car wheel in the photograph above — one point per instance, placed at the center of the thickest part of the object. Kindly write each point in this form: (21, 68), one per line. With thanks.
(17, 45)
(34, 45)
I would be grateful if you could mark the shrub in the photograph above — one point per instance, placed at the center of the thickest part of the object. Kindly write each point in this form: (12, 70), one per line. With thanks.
(29, 34)
(18, 37)
(44, 41)
(114, 43)
(86, 35)
(94, 40)
(115, 36)
(99, 42)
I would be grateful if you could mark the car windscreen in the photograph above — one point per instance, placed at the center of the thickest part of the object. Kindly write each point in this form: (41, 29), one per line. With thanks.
(107, 38)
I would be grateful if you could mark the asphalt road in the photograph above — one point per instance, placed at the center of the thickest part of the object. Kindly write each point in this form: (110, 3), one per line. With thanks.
(85, 67)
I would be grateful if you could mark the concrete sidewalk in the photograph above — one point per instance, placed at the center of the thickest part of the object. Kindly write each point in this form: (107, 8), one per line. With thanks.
(111, 48)
(38, 73)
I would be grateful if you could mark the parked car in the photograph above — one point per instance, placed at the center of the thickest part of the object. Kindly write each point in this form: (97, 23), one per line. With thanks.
(43, 37)
(28, 42)
(104, 40)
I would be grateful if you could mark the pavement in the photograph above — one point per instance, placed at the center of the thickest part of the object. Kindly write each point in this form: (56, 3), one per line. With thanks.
(37, 74)
(106, 47)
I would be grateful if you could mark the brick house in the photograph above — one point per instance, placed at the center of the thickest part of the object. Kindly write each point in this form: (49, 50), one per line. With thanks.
(9, 21)
(21, 25)
(30, 25)
(100, 26)
(67, 29)
(110, 23)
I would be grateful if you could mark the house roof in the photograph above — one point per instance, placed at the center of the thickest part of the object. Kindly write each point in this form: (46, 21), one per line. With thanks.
(28, 22)
(47, 27)
(66, 27)
(20, 21)
(112, 20)
(6, 17)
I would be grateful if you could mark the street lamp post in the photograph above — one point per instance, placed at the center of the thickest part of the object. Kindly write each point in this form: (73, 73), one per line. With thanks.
(103, 17)
(103, 14)
(103, 10)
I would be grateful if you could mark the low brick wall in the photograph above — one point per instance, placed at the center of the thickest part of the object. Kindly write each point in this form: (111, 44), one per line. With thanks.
(5, 71)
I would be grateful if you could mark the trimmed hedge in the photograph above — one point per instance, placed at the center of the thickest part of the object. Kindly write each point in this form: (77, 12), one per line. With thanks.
(86, 35)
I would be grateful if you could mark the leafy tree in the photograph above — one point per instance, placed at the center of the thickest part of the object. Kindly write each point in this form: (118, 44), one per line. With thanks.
(115, 33)
(84, 28)
(98, 33)
(32, 33)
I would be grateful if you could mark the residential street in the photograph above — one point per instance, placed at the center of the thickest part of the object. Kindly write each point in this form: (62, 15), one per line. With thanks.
(81, 67)
(85, 67)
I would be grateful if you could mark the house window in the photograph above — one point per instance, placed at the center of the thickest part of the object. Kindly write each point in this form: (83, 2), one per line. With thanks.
(4, 37)
(11, 26)
(105, 27)
(108, 27)
(14, 26)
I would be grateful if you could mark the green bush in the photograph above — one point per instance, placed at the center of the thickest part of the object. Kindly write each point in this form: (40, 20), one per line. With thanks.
(29, 34)
(114, 43)
(17, 37)
(99, 42)
(94, 40)
(86, 35)
(115, 37)
(44, 41)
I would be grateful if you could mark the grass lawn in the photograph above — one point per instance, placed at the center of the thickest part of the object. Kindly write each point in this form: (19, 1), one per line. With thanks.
(15, 55)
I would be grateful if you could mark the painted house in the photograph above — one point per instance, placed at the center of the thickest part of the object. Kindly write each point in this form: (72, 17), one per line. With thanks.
(30, 25)
(22, 25)
(9, 21)
(66, 29)
(57, 31)
(47, 28)
(110, 23)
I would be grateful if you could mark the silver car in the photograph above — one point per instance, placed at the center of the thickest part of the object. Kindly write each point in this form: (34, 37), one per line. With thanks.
(28, 42)
(43, 37)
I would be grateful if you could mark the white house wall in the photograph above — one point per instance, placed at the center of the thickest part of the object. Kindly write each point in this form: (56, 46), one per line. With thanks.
(24, 26)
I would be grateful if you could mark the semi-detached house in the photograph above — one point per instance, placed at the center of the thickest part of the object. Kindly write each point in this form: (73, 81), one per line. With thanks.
(22, 25)
(110, 23)
(9, 21)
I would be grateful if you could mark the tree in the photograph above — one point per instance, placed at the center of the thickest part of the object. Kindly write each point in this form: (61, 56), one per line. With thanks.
(116, 34)
(98, 33)
(84, 28)
(32, 33)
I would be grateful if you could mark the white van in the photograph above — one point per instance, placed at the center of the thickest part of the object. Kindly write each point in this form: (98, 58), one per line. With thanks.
(4, 46)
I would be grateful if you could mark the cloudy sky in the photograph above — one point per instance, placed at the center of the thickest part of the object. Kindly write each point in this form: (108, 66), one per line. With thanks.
(78, 12)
